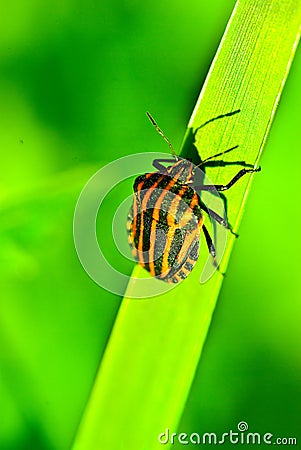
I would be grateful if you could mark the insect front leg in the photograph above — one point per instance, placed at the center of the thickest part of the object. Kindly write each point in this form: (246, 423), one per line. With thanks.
(157, 163)
(224, 187)
(227, 163)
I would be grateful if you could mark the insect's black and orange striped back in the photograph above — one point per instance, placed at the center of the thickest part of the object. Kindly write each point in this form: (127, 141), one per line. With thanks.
(164, 223)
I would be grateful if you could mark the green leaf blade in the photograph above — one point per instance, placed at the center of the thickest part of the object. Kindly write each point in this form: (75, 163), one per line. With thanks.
(149, 364)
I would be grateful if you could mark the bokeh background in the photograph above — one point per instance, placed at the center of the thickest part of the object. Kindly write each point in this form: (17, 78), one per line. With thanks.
(76, 79)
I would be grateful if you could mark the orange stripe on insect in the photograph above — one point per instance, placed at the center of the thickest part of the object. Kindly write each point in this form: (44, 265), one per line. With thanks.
(135, 205)
(175, 205)
(143, 207)
(156, 216)
(187, 243)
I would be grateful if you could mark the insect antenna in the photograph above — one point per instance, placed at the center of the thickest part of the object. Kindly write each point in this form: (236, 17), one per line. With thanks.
(218, 154)
(161, 133)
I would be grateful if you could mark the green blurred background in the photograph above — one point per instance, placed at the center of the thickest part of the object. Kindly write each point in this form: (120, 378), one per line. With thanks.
(75, 80)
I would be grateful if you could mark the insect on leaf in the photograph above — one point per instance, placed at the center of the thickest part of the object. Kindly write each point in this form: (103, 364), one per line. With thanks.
(151, 357)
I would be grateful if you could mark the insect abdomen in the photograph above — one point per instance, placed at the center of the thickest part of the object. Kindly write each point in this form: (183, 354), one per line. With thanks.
(163, 226)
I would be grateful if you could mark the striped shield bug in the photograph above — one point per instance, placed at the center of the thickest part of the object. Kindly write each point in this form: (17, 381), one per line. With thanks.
(167, 214)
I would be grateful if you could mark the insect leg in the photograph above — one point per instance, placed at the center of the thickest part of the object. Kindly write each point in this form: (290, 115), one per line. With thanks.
(218, 154)
(157, 163)
(210, 244)
(224, 187)
(222, 163)
(218, 219)
(211, 248)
